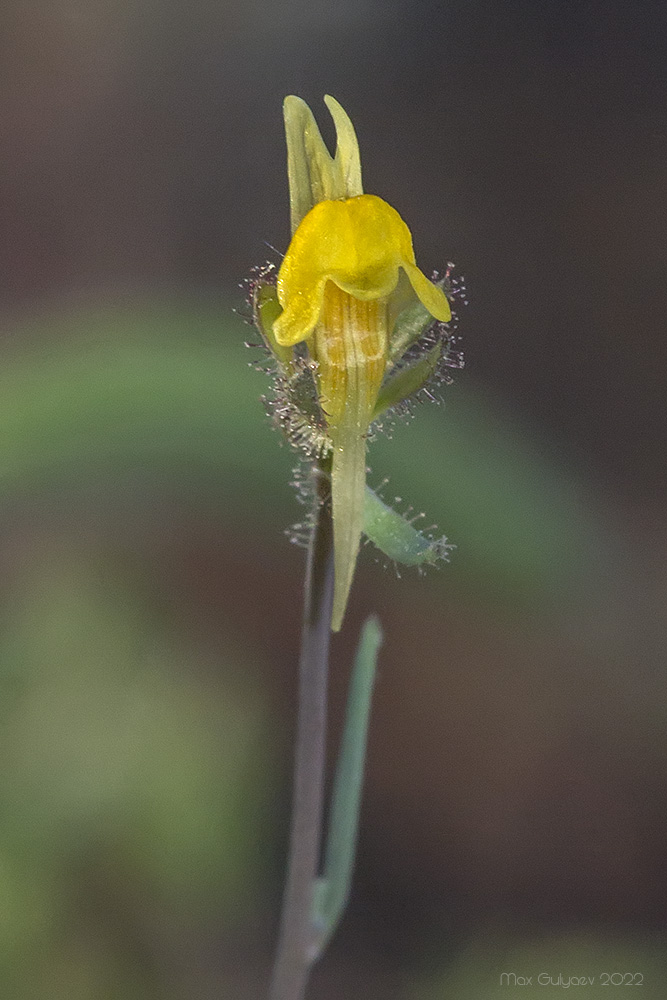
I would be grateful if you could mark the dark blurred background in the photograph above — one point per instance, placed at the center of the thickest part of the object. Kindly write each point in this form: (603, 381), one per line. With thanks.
(515, 807)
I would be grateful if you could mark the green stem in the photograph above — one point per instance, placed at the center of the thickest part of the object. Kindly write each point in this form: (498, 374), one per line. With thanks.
(297, 941)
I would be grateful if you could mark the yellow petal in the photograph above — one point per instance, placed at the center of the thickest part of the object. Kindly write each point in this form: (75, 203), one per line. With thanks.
(431, 297)
(358, 243)
(299, 318)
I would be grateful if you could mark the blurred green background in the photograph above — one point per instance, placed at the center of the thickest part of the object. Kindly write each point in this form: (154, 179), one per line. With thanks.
(515, 808)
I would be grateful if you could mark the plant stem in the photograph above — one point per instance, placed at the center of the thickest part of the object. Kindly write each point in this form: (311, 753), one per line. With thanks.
(296, 947)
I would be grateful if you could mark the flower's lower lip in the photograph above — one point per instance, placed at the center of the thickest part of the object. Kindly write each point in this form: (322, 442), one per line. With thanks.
(360, 244)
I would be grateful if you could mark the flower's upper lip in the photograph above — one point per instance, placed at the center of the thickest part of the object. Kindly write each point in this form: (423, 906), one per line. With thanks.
(315, 175)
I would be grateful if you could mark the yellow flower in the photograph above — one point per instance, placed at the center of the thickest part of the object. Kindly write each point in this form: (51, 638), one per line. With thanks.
(334, 286)
(359, 244)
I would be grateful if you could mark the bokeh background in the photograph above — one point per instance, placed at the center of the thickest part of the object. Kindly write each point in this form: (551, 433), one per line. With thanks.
(515, 810)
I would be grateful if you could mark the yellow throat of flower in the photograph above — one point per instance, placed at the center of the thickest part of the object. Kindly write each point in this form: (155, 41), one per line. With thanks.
(349, 345)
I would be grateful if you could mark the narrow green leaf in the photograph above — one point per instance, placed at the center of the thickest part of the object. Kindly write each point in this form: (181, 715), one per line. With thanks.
(331, 892)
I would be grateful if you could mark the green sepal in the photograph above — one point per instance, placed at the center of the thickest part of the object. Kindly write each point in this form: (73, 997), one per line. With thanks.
(411, 322)
(403, 297)
(397, 537)
(407, 381)
(266, 310)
